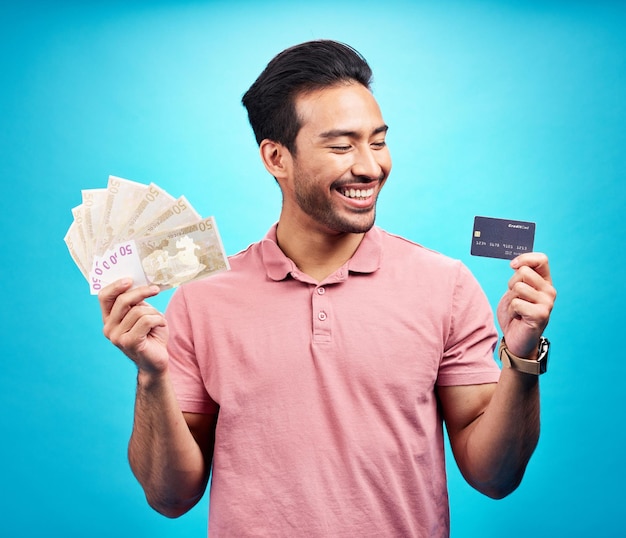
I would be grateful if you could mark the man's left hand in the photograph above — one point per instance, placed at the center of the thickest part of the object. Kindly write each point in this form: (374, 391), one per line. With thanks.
(525, 308)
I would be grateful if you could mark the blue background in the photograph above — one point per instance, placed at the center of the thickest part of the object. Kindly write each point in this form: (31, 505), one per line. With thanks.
(505, 109)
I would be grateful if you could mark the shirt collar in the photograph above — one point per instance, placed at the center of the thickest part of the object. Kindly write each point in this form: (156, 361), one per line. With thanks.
(366, 259)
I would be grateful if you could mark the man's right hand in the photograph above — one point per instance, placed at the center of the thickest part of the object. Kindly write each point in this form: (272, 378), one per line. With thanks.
(134, 326)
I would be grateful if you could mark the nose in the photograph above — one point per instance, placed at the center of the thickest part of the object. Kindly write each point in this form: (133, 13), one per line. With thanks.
(368, 163)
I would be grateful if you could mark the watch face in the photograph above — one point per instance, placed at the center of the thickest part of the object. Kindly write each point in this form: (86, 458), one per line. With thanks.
(544, 346)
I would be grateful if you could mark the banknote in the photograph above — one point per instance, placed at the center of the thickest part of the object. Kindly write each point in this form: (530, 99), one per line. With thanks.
(130, 229)
(75, 246)
(92, 207)
(122, 197)
(178, 213)
(153, 203)
(166, 259)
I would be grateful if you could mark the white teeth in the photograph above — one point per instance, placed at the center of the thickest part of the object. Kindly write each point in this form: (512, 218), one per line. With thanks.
(358, 193)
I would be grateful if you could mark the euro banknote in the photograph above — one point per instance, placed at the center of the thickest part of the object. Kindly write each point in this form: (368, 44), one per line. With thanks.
(130, 229)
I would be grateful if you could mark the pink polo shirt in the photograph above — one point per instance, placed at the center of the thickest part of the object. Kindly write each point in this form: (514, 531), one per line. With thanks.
(328, 421)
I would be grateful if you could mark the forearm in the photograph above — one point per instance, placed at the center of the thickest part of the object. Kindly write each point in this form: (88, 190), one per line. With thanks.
(163, 454)
(497, 446)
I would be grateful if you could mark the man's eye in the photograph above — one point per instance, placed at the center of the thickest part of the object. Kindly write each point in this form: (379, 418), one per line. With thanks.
(380, 144)
(340, 148)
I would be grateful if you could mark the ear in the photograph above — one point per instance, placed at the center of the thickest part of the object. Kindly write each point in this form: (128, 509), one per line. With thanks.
(276, 158)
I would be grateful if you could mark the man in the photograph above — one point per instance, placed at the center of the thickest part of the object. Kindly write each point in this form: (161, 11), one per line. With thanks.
(315, 376)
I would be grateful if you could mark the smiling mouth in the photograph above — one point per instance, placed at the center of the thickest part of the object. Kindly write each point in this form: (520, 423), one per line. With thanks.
(357, 194)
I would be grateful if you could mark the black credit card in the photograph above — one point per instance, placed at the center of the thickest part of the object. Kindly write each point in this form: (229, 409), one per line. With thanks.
(502, 238)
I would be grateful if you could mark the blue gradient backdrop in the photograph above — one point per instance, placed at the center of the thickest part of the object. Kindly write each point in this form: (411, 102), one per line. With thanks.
(506, 109)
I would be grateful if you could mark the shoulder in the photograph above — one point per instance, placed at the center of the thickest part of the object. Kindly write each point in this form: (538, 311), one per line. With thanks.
(406, 260)
(397, 248)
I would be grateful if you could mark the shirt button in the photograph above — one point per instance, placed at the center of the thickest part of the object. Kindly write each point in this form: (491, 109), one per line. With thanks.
(321, 291)
(322, 316)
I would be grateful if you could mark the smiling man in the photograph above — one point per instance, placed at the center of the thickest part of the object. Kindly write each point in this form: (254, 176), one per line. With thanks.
(314, 379)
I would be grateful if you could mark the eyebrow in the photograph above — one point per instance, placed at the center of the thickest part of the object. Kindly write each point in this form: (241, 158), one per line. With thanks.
(337, 133)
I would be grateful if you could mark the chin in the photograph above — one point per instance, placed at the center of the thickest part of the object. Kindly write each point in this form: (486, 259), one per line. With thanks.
(355, 227)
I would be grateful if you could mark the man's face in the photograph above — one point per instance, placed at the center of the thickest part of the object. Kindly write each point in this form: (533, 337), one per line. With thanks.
(341, 161)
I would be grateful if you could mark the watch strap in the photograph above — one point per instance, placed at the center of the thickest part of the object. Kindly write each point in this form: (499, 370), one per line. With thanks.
(534, 367)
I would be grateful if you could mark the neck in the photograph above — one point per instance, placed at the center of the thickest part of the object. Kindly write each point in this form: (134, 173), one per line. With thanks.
(315, 252)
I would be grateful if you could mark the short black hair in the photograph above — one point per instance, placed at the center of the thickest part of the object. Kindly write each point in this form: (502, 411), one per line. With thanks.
(306, 67)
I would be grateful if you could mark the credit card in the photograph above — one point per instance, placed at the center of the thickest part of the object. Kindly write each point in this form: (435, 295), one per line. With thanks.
(502, 238)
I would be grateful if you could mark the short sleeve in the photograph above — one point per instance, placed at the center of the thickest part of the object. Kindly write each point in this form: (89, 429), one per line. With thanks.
(185, 371)
(468, 357)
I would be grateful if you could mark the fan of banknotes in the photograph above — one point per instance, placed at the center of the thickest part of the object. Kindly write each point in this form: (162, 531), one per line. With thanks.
(130, 229)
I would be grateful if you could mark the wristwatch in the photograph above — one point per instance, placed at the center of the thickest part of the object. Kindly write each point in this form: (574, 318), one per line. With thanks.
(527, 366)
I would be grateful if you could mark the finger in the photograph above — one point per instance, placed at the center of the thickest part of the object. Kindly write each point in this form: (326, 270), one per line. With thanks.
(528, 276)
(123, 304)
(139, 342)
(109, 294)
(530, 286)
(534, 260)
(534, 314)
(132, 336)
(525, 292)
(132, 317)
